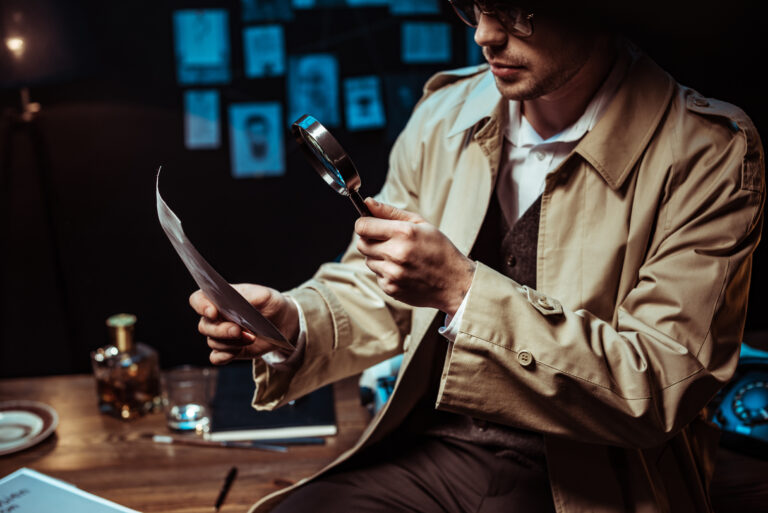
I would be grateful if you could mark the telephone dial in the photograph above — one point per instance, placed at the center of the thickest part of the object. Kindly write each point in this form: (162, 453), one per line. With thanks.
(741, 407)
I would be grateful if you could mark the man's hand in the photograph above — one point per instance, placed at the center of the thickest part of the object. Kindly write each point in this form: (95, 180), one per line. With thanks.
(414, 262)
(227, 340)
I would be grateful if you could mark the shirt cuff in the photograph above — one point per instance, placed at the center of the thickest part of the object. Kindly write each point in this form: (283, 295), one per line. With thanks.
(281, 360)
(451, 328)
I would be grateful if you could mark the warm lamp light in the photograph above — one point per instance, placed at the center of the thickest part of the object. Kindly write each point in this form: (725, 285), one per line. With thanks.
(15, 45)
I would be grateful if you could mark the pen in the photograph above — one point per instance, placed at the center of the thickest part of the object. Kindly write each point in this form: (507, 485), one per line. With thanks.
(164, 439)
(304, 440)
(225, 487)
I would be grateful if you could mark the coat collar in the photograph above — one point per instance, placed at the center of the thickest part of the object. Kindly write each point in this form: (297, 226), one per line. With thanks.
(620, 137)
(479, 104)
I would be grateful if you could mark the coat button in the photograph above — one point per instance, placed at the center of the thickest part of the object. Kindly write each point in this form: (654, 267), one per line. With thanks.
(525, 358)
(700, 102)
(545, 303)
(511, 261)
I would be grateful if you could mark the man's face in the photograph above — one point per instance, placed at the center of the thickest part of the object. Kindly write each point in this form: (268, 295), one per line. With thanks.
(536, 66)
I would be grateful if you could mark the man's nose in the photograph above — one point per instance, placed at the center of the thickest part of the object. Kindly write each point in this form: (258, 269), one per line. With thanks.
(490, 32)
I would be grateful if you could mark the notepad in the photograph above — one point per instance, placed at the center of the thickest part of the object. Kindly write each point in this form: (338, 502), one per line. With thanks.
(28, 491)
(234, 418)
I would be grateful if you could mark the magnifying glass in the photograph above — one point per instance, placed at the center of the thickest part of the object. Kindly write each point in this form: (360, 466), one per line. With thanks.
(329, 159)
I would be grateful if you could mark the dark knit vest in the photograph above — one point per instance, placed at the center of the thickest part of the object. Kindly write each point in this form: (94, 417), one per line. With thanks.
(510, 251)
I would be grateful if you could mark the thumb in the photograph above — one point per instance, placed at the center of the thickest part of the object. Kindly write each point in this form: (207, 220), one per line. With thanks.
(384, 211)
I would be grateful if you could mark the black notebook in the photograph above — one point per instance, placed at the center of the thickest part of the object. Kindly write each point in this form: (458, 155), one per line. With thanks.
(233, 418)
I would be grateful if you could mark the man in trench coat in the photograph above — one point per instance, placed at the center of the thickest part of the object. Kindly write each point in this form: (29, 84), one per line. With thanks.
(642, 258)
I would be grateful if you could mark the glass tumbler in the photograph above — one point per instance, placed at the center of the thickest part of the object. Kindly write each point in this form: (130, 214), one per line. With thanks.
(188, 392)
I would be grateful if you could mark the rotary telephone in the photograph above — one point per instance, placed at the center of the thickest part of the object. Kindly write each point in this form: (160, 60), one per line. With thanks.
(740, 409)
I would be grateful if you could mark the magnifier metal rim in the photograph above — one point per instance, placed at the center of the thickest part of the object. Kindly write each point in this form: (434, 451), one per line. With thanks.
(308, 126)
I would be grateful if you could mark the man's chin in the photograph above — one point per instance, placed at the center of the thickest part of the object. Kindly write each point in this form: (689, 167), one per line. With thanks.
(518, 90)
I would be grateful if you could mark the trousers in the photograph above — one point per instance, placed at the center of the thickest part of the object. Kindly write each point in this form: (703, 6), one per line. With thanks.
(426, 474)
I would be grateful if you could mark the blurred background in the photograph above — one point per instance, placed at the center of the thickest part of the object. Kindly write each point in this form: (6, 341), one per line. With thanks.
(94, 96)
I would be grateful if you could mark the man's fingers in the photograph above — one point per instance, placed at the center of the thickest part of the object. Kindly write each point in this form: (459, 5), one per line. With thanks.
(387, 222)
(390, 251)
(384, 229)
(216, 329)
(371, 248)
(241, 348)
(227, 346)
(384, 211)
(374, 229)
(260, 297)
(374, 266)
(202, 305)
(385, 269)
(250, 337)
(220, 357)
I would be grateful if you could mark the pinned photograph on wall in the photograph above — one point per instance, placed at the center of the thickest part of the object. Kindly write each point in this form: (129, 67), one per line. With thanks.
(266, 10)
(474, 51)
(424, 42)
(256, 139)
(402, 92)
(264, 50)
(202, 129)
(201, 41)
(313, 88)
(408, 7)
(367, 3)
(317, 4)
(364, 108)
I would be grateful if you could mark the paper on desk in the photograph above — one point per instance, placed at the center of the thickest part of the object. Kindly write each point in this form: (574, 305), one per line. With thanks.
(28, 491)
(230, 303)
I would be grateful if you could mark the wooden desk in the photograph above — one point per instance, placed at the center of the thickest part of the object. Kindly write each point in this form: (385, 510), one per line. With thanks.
(106, 457)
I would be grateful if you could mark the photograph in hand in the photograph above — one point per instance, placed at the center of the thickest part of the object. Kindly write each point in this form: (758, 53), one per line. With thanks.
(230, 303)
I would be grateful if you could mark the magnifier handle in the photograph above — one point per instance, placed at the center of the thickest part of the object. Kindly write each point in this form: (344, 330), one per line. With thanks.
(357, 200)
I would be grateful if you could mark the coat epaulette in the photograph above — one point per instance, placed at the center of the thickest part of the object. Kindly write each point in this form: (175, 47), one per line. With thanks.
(738, 121)
(445, 78)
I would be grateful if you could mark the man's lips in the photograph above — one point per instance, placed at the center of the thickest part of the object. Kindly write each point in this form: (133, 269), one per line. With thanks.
(503, 70)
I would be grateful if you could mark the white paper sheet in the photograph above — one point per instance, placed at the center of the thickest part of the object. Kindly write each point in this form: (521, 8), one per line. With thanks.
(27, 491)
(230, 303)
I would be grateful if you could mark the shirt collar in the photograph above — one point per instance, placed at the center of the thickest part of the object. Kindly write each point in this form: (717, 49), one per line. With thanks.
(520, 132)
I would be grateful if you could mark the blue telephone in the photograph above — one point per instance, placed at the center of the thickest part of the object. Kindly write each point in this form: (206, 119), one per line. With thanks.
(741, 407)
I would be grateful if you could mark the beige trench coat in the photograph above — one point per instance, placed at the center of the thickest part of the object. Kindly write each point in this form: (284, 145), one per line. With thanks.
(644, 255)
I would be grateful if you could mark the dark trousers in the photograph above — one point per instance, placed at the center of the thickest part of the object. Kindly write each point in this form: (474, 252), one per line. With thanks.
(425, 475)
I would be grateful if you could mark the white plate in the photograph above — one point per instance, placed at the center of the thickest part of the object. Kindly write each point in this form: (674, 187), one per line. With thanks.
(24, 424)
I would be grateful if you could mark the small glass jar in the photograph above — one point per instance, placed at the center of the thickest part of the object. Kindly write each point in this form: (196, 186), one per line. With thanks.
(127, 372)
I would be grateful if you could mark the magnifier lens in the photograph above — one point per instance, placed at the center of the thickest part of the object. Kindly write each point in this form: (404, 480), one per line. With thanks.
(329, 159)
(333, 173)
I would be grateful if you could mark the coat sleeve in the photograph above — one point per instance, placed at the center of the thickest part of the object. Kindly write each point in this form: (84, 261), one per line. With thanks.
(522, 358)
(351, 323)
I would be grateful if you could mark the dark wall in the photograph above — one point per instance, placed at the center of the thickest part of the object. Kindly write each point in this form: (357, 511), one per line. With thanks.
(106, 126)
